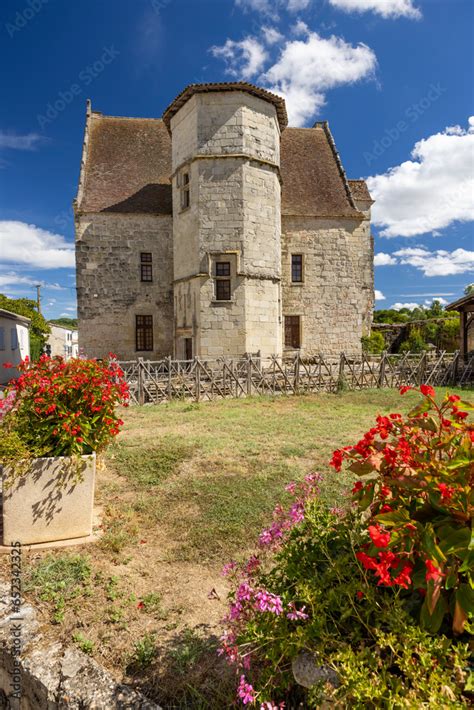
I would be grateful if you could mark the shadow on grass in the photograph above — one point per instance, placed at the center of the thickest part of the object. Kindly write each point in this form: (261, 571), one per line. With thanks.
(184, 671)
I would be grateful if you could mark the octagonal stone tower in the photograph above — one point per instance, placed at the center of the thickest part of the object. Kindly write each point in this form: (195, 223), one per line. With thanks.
(226, 220)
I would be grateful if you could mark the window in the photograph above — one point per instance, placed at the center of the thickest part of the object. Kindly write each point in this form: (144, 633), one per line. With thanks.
(183, 184)
(146, 267)
(223, 291)
(14, 336)
(144, 332)
(2, 338)
(297, 268)
(292, 332)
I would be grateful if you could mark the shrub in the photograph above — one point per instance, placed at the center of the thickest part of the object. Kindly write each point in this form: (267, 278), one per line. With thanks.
(353, 589)
(373, 343)
(414, 343)
(58, 408)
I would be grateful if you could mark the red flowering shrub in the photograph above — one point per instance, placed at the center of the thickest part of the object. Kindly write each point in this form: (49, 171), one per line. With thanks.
(416, 493)
(58, 408)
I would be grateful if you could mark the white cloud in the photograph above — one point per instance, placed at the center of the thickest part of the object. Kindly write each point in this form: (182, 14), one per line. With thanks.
(439, 262)
(243, 59)
(431, 263)
(379, 295)
(12, 278)
(410, 306)
(269, 7)
(382, 259)
(271, 35)
(22, 243)
(430, 192)
(14, 141)
(442, 301)
(422, 295)
(385, 8)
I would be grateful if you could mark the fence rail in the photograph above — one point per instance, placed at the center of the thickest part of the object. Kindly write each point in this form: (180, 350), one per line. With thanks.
(152, 382)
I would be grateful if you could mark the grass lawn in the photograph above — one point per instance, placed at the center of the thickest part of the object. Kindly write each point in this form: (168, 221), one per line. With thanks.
(185, 488)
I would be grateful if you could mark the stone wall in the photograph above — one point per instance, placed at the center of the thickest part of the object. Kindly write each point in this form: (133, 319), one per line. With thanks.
(229, 144)
(109, 290)
(335, 300)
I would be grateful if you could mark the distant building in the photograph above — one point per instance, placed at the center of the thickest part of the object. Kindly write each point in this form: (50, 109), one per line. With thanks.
(219, 231)
(62, 341)
(14, 342)
(465, 308)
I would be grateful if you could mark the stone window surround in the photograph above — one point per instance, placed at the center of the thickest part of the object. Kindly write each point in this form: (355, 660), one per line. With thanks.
(183, 183)
(233, 259)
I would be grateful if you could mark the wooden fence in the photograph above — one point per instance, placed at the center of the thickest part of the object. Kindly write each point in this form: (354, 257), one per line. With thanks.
(152, 382)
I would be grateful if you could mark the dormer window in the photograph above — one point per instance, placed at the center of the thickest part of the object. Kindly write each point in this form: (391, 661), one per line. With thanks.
(183, 185)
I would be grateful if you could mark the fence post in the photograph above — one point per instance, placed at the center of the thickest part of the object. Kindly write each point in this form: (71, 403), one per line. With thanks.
(141, 389)
(455, 369)
(297, 373)
(197, 373)
(422, 372)
(169, 387)
(340, 377)
(381, 380)
(249, 375)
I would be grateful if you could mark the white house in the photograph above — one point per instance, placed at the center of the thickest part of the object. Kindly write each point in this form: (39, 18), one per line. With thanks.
(62, 341)
(14, 342)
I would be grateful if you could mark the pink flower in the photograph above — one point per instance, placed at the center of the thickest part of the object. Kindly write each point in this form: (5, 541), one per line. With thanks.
(296, 513)
(228, 568)
(266, 601)
(244, 593)
(245, 691)
(294, 614)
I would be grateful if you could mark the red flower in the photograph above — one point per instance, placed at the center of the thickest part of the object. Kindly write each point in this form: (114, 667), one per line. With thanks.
(7, 365)
(379, 537)
(366, 561)
(358, 486)
(427, 391)
(432, 572)
(404, 389)
(140, 605)
(403, 579)
(446, 491)
(360, 595)
(336, 461)
(454, 398)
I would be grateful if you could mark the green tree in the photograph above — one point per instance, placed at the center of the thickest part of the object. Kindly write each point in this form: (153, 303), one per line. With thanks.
(469, 289)
(66, 322)
(39, 328)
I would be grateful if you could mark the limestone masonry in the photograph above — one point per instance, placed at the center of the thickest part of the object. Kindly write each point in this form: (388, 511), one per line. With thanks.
(219, 231)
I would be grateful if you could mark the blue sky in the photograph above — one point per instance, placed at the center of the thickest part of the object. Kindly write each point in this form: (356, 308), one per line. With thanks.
(394, 78)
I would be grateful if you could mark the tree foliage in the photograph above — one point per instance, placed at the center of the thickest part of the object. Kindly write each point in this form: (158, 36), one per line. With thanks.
(39, 328)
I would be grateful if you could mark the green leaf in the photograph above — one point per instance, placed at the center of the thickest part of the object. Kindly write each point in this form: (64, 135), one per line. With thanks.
(465, 598)
(421, 408)
(468, 406)
(398, 517)
(432, 622)
(456, 541)
(429, 424)
(429, 543)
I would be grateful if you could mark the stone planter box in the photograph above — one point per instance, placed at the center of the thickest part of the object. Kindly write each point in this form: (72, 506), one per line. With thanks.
(52, 501)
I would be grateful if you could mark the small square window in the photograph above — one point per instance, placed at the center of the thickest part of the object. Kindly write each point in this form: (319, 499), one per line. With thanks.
(223, 290)
(223, 268)
(146, 267)
(297, 268)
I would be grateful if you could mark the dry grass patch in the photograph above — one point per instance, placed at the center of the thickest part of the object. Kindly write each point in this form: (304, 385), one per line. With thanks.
(186, 487)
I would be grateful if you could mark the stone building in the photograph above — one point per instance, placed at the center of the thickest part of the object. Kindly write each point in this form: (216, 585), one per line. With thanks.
(62, 341)
(217, 230)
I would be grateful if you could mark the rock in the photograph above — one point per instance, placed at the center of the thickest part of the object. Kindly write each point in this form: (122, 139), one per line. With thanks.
(307, 673)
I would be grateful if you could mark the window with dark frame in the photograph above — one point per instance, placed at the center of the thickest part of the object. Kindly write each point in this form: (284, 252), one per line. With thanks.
(184, 184)
(292, 332)
(144, 332)
(223, 290)
(297, 268)
(146, 266)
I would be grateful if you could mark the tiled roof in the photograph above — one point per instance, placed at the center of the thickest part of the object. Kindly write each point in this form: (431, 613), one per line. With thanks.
(186, 94)
(127, 166)
(313, 179)
(359, 190)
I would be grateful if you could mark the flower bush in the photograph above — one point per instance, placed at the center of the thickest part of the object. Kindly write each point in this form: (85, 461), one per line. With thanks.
(384, 604)
(61, 408)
